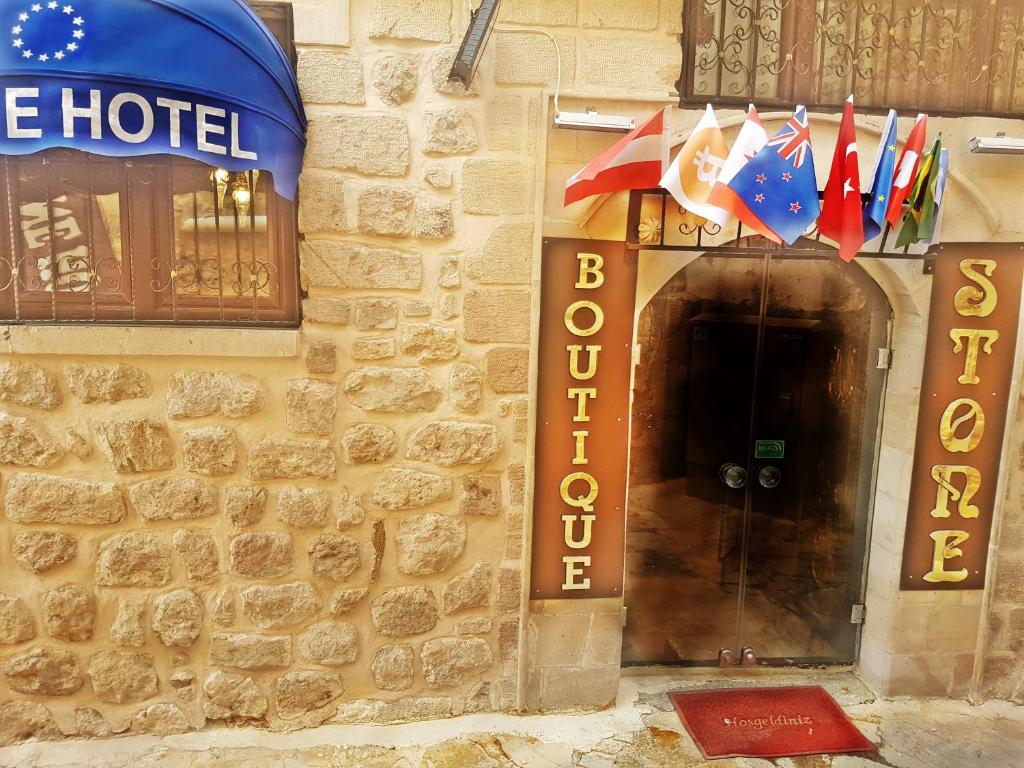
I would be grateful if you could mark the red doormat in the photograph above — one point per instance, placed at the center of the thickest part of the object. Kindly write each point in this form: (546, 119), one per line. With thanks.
(767, 722)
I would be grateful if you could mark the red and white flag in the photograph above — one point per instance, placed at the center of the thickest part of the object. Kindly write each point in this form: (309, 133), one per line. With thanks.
(749, 140)
(636, 161)
(906, 170)
(841, 212)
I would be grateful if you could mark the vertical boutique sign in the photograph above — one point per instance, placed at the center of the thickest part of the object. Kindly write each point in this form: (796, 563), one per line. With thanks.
(588, 290)
(972, 337)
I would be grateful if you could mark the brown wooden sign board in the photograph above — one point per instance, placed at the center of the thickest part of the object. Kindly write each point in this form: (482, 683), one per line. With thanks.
(588, 291)
(972, 337)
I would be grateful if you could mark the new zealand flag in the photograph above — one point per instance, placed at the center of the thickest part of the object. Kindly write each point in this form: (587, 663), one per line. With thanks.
(776, 193)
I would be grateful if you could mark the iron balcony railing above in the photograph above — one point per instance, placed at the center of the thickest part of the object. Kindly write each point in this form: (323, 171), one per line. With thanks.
(936, 56)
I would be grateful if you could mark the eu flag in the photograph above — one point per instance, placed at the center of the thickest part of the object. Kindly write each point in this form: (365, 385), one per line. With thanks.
(776, 193)
(881, 183)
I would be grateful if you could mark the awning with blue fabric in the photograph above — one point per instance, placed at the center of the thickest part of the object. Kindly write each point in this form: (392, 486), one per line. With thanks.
(201, 78)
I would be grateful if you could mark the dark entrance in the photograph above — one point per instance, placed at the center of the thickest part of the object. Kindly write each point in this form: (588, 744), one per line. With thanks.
(755, 419)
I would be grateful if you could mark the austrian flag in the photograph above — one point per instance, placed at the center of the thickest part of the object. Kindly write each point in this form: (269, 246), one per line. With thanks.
(636, 161)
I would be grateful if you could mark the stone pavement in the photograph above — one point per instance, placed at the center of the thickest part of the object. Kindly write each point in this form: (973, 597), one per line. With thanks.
(641, 731)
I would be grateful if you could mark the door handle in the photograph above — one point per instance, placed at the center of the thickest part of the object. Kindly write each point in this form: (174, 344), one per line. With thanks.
(733, 475)
(769, 477)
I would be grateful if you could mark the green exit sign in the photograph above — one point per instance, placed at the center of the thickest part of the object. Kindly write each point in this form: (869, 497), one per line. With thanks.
(769, 449)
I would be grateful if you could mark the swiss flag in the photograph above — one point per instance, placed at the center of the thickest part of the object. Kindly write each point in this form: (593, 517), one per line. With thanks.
(906, 170)
(636, 161)
(841, 216)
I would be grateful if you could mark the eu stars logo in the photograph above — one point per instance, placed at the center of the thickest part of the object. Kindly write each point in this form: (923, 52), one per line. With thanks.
(49, 32)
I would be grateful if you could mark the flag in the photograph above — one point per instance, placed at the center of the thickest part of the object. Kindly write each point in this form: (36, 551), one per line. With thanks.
(881, 179)
(906, 169)
(841, 214)
(694, 171)
(636, 161)
(922, 198)
(776, 193)
(940, 191)
(751, 138)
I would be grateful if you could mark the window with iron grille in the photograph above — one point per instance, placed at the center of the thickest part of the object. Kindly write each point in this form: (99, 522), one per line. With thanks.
(149, 239)
(936, 56)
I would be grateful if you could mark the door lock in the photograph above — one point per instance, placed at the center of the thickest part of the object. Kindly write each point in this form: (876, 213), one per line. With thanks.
(733, 475)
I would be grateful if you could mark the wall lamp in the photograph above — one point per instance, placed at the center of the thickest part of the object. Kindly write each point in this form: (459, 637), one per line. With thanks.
(481, 23)
(592, 120)
(1000, 144)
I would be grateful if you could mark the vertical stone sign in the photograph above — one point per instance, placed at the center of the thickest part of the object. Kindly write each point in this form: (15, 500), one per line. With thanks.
(588, 289)
(972, 336)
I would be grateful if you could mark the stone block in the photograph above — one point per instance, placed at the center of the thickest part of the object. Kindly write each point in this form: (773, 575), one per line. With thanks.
(331, 643)
(321, 204)
(429, 544)
(210, 451)
(172, 498)
(328, 76)
(481, 495)
(450, 443)
(530, 58)
(506, 258)
(27, 442)
(404, 611)
(121, 677)
(279, 458)
(497, 316)
(191, 394)
(496, 187)
(107, 383)
(394, 78)
(227, 696)
(317, 309)
(127, 628)
(434, 220)
(69, 613)
(408, 488)
(392, 389)
(508, 369)
(604, 62)
(375, 348)
(378, 540)
(76, 443)
(477, 625)
(368, 444)
(385, 211)
(438, 176)
(345, 600)
(375, 145)
(280, 605)
(573, 687)
(334, 557)
(392, 667)
(322, 357)
(16, 622)
(543, 12)
(516, 482)
(449, 131)
(448, 661)
(440, 65)
(303, 507)
(243, 651)
(197, 552)
(376, 314)
(466, 386)
(350, 509)
(133, 560)
(612, 14)
(135, 445)
(177, 617)
(245, 504)
(261, 555)
(40, 551)
(468, 589)
(306, 690)
(44, 671)
(311, 405)
(160, 719)
(26, 720)
(429, 342)
(29, 385)
(417, 309)
(509, 590)
(224, 607)
(406, 710)
(335, 264)
(423, 20)
(503, 123)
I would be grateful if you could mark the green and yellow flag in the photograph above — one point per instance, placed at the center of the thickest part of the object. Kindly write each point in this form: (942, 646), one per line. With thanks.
(919, 223)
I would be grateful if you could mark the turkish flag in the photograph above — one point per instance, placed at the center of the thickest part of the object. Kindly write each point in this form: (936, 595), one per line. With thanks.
(841, 212)
(906, 170)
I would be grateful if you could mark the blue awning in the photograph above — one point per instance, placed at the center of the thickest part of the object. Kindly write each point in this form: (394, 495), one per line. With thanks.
(201, 78)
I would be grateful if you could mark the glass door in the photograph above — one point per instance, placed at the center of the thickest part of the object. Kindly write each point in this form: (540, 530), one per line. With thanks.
(753, 444)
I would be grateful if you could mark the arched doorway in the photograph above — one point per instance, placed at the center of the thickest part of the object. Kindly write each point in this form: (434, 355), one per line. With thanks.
(755, 419)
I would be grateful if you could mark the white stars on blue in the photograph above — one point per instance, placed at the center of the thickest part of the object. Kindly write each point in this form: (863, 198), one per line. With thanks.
(50, 26)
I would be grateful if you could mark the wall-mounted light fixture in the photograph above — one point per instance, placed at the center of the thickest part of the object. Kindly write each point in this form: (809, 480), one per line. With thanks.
(480, 24)
(1000, 144)
(592, 120)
